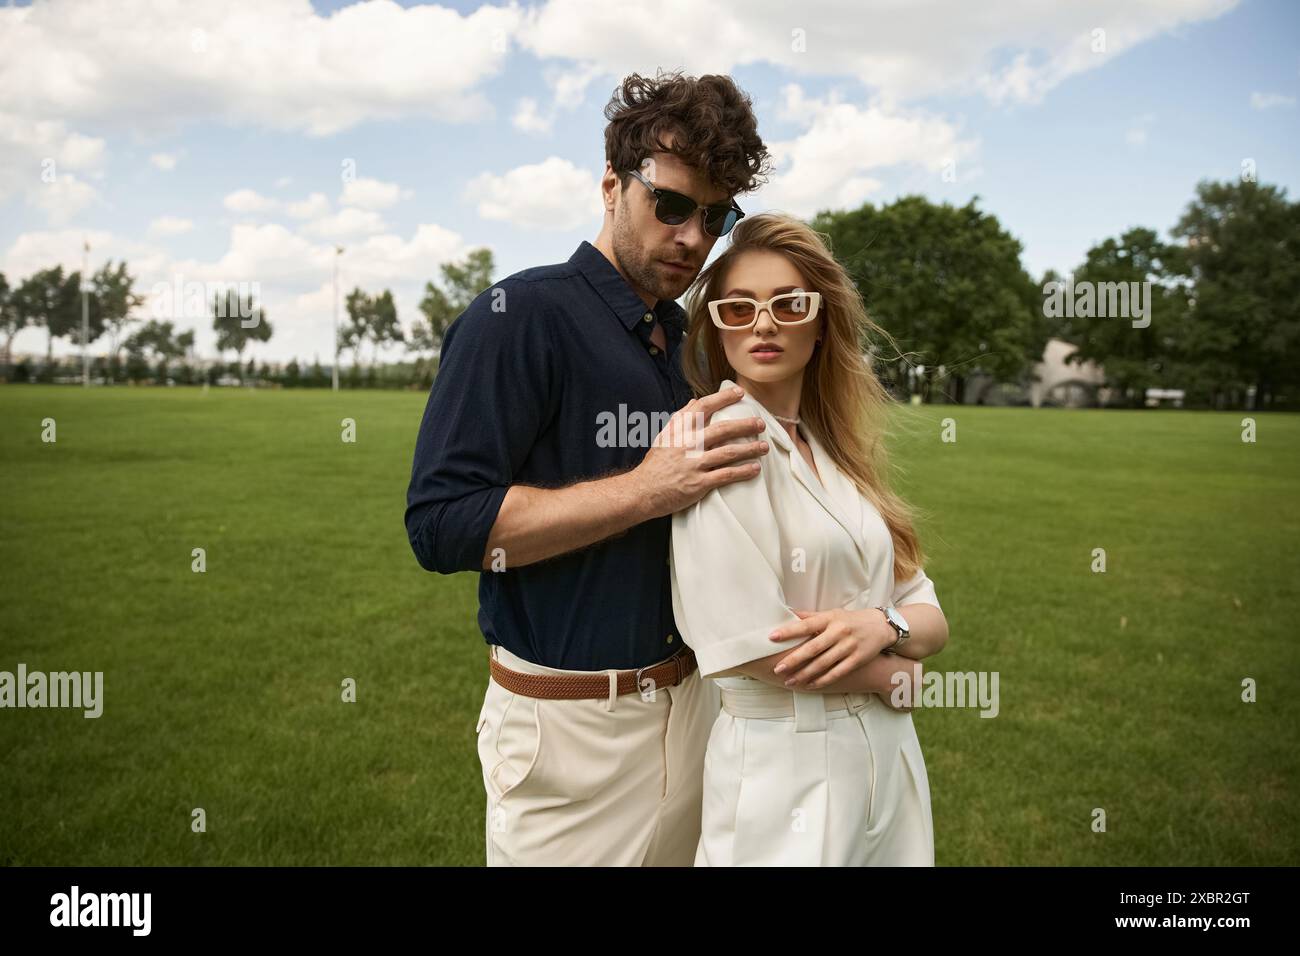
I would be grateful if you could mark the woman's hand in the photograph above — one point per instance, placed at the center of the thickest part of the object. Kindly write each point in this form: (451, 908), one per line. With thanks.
(839, 642)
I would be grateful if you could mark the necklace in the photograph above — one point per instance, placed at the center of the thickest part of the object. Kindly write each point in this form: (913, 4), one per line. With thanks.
(782, 418)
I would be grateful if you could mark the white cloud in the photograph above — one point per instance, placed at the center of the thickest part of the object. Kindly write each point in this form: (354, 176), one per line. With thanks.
(528, 120)
(170, 226)
(553, 194)
(313, 207)
(39, 159)
(249, 201)
(63, 198)
(1012, 52)
(358, 216)
(372, 194)
(345, 224)
(149, 66)
(164, 161)
(1268, 101)
(568, 88)
(33, 251)
(829, 164)
(153, 63)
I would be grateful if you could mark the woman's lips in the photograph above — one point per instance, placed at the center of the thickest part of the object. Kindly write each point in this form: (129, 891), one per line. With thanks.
(768, 354)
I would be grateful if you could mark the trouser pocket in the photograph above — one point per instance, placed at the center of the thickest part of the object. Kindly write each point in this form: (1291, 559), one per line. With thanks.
(509, 739)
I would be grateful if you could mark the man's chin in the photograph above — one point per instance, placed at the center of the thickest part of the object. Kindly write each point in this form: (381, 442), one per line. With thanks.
(672, 283)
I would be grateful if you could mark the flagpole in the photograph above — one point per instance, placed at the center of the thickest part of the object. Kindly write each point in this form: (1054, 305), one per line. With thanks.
(338, 251)
(85, 316)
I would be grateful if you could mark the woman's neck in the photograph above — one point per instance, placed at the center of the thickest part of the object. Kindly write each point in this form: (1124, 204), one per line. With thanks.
(780, 398)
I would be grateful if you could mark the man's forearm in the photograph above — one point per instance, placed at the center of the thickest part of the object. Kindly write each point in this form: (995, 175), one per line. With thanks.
(534, 524)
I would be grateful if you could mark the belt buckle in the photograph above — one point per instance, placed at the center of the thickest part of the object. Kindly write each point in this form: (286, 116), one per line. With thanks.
(677, 660)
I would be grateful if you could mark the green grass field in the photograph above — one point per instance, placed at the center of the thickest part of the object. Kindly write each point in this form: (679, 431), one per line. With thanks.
(222, 690)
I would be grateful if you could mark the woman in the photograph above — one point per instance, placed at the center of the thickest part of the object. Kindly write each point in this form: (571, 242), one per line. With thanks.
(815, 763)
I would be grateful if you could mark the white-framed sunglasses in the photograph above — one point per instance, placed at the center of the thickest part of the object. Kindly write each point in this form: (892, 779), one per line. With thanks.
(787, 308)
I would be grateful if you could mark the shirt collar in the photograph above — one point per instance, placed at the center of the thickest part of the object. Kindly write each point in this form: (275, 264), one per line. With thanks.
(626, 305)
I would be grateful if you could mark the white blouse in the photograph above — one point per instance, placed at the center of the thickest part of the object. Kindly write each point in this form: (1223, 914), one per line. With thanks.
(748, 554)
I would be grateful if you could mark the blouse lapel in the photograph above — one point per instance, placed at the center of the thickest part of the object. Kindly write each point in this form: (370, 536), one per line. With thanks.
(835, 495)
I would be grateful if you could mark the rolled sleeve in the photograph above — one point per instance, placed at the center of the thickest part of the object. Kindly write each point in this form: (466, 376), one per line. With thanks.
(726, 577)
(490, 400)
(918, 589)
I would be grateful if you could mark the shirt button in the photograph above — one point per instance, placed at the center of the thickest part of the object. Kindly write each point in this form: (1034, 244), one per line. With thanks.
(653, 350)
(670, 638)
(648, 317)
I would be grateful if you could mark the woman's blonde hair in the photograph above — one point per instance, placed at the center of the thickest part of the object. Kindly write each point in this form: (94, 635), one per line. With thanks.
(843, 402)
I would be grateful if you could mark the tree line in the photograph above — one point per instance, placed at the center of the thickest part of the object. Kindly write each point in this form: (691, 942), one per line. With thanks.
(1221, 293)
(947, 283)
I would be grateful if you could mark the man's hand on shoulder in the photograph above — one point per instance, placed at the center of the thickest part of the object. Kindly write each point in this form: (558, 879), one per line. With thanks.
(694, 454)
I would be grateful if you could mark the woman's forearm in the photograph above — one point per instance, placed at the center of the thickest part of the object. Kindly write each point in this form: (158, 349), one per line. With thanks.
(927, 631)
(877, 676)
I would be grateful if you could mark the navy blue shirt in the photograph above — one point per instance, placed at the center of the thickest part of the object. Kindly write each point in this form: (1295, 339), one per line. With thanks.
(549, 378)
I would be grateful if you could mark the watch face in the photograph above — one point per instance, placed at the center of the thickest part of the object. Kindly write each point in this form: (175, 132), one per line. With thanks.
(897, 619)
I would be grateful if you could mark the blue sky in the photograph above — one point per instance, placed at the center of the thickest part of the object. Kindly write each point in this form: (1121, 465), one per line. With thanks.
(208, 141)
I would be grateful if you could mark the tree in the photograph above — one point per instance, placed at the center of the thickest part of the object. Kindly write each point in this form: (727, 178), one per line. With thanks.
(370, 318)
(137, 368)
(1242, 248)
(113, 298)
(1116, 271)
(185, 342)
(357, 328)
(51, 299)
(463, 282)
(946, 282)
(229, 317)
(159, 340)
(11, 323)
(384, 327)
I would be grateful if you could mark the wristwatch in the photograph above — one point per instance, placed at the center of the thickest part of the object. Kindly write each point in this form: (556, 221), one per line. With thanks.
(899, 624)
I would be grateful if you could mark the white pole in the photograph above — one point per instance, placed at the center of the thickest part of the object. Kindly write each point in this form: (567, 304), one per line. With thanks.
(338, 251)
(85, 316)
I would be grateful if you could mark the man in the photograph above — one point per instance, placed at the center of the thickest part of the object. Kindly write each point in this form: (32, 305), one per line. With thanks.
(594, 725)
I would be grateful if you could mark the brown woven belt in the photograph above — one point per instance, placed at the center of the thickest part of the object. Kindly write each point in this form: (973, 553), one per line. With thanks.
(593, 686)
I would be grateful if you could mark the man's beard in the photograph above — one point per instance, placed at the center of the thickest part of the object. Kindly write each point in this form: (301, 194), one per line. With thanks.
(641, 269)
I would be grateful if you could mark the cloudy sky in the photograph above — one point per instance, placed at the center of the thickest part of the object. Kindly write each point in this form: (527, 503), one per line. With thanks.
(242, 140)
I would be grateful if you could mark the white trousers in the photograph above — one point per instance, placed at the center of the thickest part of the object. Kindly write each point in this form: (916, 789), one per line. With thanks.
(817, 788)
(610, 782)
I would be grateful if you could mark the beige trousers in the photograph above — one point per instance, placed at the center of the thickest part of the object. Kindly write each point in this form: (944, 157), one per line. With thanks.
(611, 782)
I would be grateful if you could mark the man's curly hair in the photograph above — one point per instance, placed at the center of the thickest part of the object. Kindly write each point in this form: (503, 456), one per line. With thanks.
(712, 121)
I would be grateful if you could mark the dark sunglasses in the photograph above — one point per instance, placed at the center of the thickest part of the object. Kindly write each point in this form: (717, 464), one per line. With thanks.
(673, 209)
